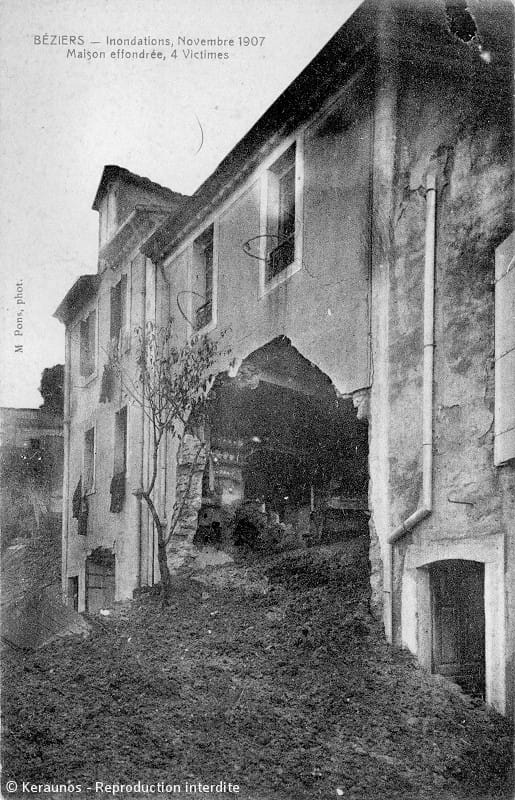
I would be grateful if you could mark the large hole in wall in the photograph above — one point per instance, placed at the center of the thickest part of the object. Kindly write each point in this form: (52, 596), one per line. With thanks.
(460, 21)
(288, 458)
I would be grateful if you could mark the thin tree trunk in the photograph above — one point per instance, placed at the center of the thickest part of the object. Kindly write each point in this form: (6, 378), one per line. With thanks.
(162, 557)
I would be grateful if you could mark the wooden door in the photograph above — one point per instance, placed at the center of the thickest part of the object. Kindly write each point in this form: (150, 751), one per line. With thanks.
(73, 592)
(100, 582)
(458, 612)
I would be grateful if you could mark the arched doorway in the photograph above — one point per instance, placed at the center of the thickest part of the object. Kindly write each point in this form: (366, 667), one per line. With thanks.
(458, 623)
(482, 594)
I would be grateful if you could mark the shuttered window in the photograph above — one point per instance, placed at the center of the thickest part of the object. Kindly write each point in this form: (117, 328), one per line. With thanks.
(88, 329)
(89, 460)
(202, 284)
(118, 320)
(120, 442)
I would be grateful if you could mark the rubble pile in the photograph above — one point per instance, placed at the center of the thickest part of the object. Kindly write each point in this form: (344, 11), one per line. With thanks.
(276, 679)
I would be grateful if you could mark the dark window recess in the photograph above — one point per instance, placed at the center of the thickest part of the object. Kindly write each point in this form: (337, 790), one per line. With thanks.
(87, 344)
(117, 488)
(281, 215)
(118, 309)
(80, 509)
(280, 258)
(203, 288)
(120, 441)
(73, 592)
(203, 315)
(286, 222)
(89, 460)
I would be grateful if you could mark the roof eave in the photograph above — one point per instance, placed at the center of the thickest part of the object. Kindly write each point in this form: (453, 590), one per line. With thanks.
(84, 288)
(113, 172)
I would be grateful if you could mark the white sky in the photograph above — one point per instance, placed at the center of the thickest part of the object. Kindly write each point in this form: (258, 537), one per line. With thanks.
(62, 119)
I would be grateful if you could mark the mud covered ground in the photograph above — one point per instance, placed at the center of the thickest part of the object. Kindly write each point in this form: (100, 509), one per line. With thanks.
(270, 676)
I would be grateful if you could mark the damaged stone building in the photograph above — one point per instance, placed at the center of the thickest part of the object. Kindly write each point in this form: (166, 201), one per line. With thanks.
(356, 247)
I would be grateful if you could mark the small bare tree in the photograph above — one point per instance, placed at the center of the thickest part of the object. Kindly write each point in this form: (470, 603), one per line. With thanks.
(169, 383)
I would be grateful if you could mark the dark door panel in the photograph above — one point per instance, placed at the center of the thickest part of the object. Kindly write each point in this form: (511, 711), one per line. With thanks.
(100, 581)
(457, 591)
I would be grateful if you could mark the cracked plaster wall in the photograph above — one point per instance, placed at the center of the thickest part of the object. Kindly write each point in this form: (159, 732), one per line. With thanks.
(464, 130)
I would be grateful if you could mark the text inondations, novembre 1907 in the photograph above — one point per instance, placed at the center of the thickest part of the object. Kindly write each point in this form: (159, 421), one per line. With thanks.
(182, 47)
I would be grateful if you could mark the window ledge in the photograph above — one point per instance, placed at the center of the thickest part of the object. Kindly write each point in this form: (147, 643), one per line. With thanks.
(85, 381)
(283, 276)
(206, 329)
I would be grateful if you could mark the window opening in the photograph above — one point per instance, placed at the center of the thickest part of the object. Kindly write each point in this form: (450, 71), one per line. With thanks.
(281, 215)
(89, 460)
(73, 592)
(120, 441)
(118, 309)
(202, 289)
(87, 344)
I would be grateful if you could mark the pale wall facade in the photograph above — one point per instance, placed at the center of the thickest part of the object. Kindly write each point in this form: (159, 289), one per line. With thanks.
(351, 302)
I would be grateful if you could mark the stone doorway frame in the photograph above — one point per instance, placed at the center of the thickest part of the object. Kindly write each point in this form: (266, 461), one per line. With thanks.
(416, 616)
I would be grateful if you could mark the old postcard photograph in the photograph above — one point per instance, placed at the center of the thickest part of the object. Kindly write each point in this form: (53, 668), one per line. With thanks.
(257, 399)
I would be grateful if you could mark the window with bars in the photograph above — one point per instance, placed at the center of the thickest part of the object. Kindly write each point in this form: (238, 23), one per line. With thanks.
(281, 215)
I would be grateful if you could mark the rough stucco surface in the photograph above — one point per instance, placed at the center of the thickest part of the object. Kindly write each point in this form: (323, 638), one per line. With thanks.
(323, 307)
(474, 204)
(462, 132)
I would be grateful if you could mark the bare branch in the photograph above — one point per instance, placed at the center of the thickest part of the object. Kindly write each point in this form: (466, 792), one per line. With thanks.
(169, 382)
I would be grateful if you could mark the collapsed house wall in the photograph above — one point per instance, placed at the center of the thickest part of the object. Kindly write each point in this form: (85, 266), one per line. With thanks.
(282, 463)
(321, 303)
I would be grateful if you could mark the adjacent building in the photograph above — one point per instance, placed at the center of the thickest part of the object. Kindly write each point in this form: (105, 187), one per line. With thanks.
(31, 472)
(356, 247)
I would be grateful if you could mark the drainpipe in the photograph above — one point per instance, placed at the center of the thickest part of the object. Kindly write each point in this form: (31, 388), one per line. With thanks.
(142, 459)
(165, 446)
(161, 475)
(426, 507)
(66, 464)
(164, 467)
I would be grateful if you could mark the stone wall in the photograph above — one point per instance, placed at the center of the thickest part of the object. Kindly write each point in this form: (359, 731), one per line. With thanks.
(191, 461)
(461, 129)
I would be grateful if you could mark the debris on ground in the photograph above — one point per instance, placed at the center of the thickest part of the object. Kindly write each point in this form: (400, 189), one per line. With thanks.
(274, 677)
